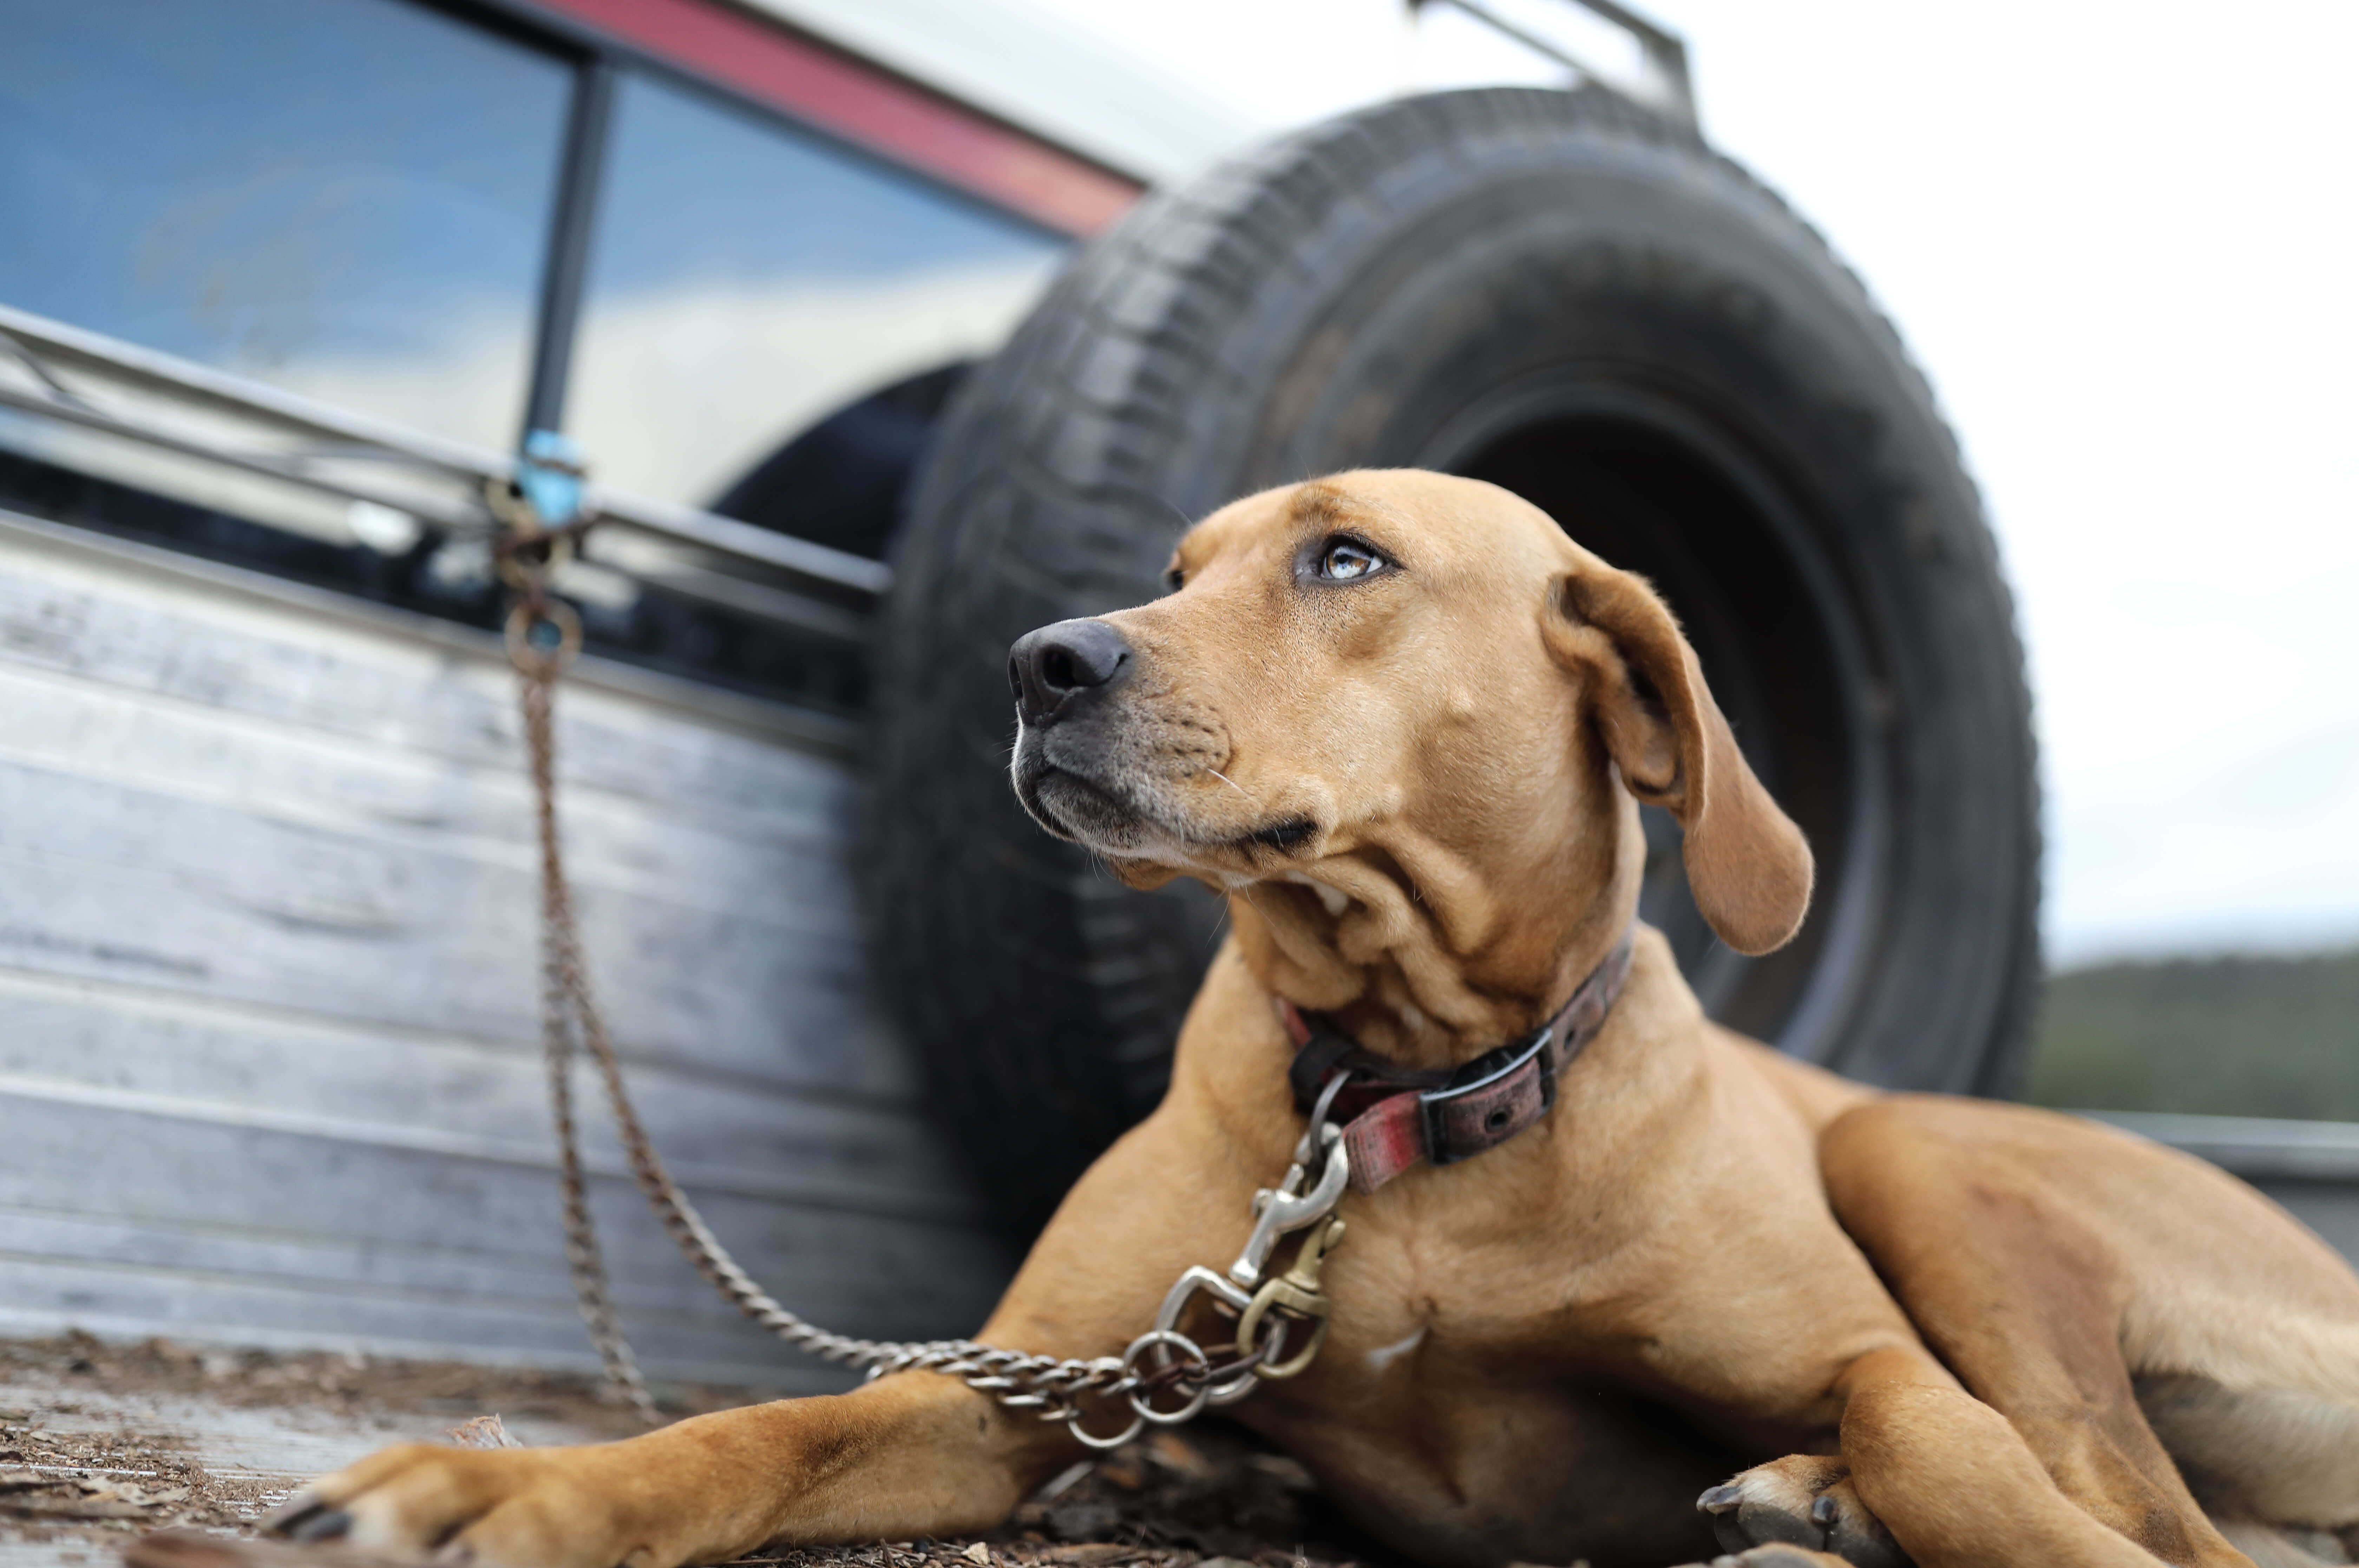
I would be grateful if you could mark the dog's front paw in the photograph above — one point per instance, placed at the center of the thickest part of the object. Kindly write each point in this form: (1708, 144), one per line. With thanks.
(1803, 1501)
(553, 1507)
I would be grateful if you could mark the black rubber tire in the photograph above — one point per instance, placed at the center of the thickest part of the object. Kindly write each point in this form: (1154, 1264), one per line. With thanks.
(1560, 293)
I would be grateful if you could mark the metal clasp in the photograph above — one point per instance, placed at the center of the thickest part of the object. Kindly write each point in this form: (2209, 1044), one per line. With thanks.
(1288, 1209)
(1296, 1293)
(1294, 1296)
(1166, 1321)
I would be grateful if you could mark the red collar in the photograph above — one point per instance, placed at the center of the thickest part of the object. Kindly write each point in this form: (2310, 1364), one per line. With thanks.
(1397, 1117)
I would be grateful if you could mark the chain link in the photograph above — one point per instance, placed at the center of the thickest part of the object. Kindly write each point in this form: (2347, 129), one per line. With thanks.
(1051, 1387)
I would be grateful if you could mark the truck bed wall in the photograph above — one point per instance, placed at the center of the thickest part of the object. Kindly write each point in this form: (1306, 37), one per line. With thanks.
(269, 1065)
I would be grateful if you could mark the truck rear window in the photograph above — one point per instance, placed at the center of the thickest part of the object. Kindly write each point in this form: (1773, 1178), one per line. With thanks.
(349, 199)
(747, 281)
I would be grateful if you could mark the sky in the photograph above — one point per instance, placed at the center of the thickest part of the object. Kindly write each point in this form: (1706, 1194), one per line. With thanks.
(2122, 242)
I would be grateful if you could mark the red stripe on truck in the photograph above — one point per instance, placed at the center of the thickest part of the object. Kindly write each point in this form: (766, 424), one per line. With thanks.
(901, 122)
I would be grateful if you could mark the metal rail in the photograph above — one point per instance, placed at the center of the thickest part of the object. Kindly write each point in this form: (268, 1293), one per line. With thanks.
(2310, 1168)
(425, 476)
(2255, 1147)
(1669, 85)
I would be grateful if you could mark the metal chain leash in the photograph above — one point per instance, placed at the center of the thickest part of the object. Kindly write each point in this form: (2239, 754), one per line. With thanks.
(543, 636)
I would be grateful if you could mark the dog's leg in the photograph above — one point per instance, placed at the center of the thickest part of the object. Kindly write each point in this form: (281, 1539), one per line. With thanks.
(913, 1455)
(2022, 1296)
(1931, 1474)
(908, 1455)
(1979, 1229)
(1955, 1482)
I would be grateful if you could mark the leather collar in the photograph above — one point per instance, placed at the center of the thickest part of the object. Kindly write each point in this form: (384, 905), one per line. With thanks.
(1394, 1117)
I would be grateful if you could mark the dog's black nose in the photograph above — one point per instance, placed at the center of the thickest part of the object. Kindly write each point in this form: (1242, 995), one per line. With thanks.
(1049, 666)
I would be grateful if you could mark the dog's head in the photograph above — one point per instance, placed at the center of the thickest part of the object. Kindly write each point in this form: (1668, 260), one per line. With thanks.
(1395, 697)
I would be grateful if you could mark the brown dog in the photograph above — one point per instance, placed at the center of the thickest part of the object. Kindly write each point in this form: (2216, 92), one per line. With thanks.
(1405, 724)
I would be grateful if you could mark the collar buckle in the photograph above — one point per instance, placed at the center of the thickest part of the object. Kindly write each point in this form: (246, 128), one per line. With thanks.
(1490, 1099)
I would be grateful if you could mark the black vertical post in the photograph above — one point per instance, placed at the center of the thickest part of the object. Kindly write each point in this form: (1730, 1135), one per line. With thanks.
(580, 167)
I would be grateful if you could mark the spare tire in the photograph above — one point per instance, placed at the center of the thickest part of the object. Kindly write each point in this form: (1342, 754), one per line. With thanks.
(1561, 293)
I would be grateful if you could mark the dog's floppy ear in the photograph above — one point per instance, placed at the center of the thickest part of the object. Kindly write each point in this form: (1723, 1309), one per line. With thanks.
(1747, 863)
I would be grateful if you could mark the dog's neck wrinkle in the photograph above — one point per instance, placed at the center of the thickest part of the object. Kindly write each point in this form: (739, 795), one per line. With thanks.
(1379, 956)
(1428, 955)
(1385, 1001)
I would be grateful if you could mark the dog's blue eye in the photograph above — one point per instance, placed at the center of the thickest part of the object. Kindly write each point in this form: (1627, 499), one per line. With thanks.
(1343, 560)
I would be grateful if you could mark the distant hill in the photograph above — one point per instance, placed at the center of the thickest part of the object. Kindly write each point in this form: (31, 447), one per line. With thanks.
(2250, 1037)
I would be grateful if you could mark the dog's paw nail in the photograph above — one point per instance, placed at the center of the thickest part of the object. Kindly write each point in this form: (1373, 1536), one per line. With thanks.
(1822, 1511)
(327, 1524)
(1720, 1499)
(299, 1507)
(458, 1554)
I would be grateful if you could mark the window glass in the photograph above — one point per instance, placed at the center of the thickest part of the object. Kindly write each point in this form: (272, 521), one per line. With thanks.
(748, 281)
(348, 198)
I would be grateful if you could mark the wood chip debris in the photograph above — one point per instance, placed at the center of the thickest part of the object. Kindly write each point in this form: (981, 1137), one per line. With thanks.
(110, 1480)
